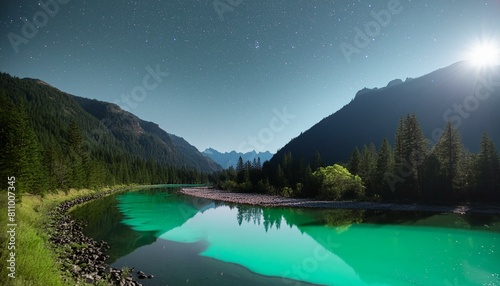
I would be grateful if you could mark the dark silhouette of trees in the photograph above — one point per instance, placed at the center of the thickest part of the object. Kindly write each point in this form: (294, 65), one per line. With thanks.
(488, 169)
(367, 165)
(385, 165)
(317, 162)
(450, 153)
(411, 172)
(411, 149)
(20, 154)
(354, 161)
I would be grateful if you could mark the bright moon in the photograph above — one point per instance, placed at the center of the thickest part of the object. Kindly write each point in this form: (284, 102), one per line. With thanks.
(484, 54)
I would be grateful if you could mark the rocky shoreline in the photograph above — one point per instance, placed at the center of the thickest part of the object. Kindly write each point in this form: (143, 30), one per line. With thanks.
(80, 256)
(277, 201)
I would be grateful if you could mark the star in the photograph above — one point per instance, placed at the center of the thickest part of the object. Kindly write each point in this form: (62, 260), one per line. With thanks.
(257, 45)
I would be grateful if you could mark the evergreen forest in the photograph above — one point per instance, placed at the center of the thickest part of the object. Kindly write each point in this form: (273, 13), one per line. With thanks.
(414, 170)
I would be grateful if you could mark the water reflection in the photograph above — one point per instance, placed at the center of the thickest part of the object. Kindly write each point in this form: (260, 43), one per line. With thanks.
(321, 246)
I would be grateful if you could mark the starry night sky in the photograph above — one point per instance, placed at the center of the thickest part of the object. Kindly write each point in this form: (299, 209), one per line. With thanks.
(268, 68)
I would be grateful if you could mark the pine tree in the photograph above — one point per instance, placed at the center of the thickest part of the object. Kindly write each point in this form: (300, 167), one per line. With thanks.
(287, 167)
(78, 159)
(433, 179)
(247, 169)
(410, 151)
(310, 188)
(354, 162)
(49, 163)
(488, 169)
(240, 171)
(317, 162)
(280, 178)
(467, 179)
(399, 149)
(6, 162)
(20, 154)
(368, 164)
(449, 151)
(415, 151)
(385, 164)
(399, 160)
(256, 164)
(35, 175)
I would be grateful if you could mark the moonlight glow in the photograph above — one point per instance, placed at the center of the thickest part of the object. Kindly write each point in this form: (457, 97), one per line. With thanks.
(484, 54)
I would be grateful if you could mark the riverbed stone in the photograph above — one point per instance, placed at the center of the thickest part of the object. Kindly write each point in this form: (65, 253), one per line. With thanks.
(82, 257)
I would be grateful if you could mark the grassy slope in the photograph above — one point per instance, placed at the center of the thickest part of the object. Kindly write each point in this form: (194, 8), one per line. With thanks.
(36, 261)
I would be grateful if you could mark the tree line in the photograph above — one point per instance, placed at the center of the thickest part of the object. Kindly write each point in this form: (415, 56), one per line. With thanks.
(44, 160)
(412, 170)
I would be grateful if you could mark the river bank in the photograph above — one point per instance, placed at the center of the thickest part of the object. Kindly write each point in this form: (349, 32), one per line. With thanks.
(277, 201)
(80, 256)
(42, 241)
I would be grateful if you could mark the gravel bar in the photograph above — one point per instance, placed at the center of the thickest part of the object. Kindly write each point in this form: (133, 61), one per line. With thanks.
(278, 201)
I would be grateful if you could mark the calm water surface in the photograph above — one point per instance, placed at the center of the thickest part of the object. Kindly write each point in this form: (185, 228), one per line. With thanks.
(190, 241)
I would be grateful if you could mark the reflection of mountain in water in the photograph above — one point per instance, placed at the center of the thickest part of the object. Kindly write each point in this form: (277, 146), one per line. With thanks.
(103, 221)
(158, 212)
(369, 240)
(367, 247)
(137, 219)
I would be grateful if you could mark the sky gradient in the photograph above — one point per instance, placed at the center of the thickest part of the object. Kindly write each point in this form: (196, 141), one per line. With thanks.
(239, 74)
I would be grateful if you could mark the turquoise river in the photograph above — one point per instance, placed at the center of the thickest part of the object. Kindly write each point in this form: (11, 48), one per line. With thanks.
(183, 240)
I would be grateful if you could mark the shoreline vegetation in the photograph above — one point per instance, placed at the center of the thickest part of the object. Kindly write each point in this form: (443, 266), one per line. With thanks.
(279, 201)
(49, 242)
(38, 260)
(411, 170)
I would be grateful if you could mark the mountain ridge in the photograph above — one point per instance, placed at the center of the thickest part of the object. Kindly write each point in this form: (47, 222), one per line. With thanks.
(373, 114)
(104, 125)
(230, 159)
(175, 144)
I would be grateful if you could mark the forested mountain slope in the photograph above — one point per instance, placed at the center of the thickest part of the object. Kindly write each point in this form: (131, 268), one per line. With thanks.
(51, 139)
(469, 97)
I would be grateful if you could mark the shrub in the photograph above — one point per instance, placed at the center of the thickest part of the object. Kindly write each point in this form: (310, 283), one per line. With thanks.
(336, 183)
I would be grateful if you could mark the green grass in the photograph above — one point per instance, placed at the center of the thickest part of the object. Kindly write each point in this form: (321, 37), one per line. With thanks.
(36, 259)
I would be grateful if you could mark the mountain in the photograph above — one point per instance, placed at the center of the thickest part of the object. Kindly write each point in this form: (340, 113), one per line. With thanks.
(145, 138)
(230, 159)
(468, 97)
(108, 130)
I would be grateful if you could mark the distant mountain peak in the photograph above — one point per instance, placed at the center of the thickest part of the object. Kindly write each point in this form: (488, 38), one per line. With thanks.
(394, 82)
(228, 159)
(209, 151)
